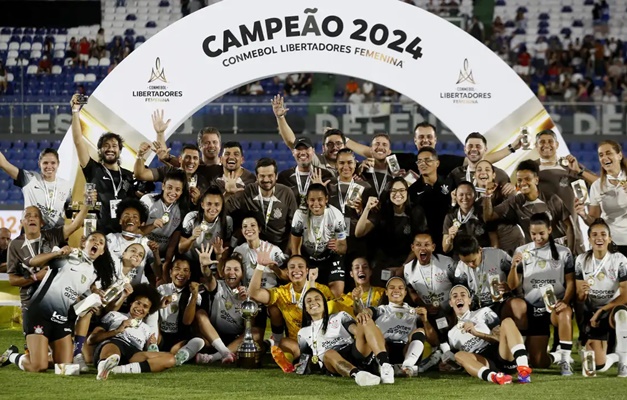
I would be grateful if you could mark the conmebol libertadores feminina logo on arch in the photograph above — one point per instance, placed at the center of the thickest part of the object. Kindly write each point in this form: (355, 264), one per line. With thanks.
(158, 89)
(466, 92)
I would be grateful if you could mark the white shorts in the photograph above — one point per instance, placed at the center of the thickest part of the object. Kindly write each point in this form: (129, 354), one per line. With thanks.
(83, 57)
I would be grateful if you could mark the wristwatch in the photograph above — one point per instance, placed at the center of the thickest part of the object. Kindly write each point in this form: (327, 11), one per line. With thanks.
(582, 169)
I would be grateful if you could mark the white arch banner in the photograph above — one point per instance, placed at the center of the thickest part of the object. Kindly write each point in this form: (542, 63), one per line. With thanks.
(221, 47)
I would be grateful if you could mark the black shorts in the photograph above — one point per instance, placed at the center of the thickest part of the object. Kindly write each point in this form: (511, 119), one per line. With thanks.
(497, 306)
(396, 351)
(168, 340)
(127, 351)
(538, 321)
(37, 323)
(498, 363)
(330, 269)
(601, 332)
(363, 363)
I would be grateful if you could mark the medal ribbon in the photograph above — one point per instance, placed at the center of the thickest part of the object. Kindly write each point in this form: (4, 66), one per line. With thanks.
(266, 213)
(378, 189)
(343, 199)
(302, 294)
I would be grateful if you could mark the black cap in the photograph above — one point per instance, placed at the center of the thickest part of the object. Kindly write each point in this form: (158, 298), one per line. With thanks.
(303, 141)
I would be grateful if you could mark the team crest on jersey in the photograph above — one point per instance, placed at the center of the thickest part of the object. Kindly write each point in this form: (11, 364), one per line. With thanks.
(83, 279)
(445, 189)
(564, 181)
(39, 330)
(406, 230)
(228, 305)
(334, 324)
(277, 213)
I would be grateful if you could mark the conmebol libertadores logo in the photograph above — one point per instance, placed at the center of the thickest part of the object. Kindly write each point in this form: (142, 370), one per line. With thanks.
(465, 92)
(158, 89)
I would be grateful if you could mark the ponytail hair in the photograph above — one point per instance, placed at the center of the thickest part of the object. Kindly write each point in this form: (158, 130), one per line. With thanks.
(543, 219)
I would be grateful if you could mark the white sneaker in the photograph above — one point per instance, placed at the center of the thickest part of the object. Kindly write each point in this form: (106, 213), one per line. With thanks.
(82, 365)
(622, 370)
(428, 363)
(610, 360)
(566, 369)
(364, 378)
(181, 357)
(409, 370)
(104, 367)
(387, 373)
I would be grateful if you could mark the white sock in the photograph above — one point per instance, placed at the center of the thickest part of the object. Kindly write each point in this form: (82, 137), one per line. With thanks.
(520, 360)
(20, 362)
(481, 372)
(414, 351)
(132, 368)
(222, 349)
(193, 346)
(620, 322)
(217, 356)
(445, 347)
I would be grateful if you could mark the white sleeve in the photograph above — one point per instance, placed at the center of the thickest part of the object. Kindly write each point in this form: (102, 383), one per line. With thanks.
(595, 193)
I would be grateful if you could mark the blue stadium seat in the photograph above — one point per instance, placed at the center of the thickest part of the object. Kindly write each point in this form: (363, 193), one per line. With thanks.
(4, 195)
(15, 197)
(30, 164)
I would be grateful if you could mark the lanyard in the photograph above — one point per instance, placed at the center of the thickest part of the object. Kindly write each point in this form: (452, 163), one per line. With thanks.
(343, 199)
(50, 194)
(478, 279)
(132, 235)
(266, 213)
(302, 190)
(598, 266)
(314, 341)
(317, 233)
(30, 247)
(166, 209)
(380, 189)
(432, 288)
(117, 189)
(469, 174)
(302, 295)
(465, 219)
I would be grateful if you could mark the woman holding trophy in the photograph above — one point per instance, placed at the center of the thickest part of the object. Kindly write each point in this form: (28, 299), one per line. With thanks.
(544, 271)
(48, 319)
(601, 275)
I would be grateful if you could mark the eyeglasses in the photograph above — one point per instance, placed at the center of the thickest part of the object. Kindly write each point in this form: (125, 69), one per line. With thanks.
(334, 144)
(397, 191)
(425, 161)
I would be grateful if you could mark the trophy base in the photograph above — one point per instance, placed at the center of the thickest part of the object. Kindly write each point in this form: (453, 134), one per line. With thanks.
(249, 360)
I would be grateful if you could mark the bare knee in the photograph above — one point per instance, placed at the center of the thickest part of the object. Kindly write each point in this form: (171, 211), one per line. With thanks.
(169, 361)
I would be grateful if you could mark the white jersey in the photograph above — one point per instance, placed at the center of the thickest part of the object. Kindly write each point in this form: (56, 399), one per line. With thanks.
(484, 319)
(156, 210)
(493, 262)
(538, 269)
(169, 316)
(67, 279)
(249, 261)
(613, 202)
(49, 197)
(135, 275)
(225, 313)
(117, 244)
(316, 231)
(607, 275)
(395, 322)
(136, 337)
(432, 282)
(335, 337)
(208, 237)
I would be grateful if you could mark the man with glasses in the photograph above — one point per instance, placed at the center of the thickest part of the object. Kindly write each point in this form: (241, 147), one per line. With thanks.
(334, 140)
(431, 193)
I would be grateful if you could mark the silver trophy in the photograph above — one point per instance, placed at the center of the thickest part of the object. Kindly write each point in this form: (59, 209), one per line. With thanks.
(90, 225)
(563, 161)
(90, 188)
(496, 294)
(249, 352)
(526, 144)
(548, 295)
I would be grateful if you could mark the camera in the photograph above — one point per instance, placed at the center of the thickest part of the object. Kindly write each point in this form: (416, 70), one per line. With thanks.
(82, 99)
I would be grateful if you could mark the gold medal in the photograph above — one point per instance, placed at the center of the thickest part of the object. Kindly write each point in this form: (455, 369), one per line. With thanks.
(601, 276)
(135, 323)
(526, 255)
(315, 359)
(175, 297)
(228, 305)
(204, 226)
(174, 308)
(165, 218)
(542, 264)
(436, 304)
(590, 281)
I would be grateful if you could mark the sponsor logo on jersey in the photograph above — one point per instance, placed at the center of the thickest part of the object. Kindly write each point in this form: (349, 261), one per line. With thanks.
(39, 330)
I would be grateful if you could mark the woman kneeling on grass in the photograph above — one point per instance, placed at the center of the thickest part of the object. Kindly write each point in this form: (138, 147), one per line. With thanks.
(486, 347)
(340, 345)
(122, 338)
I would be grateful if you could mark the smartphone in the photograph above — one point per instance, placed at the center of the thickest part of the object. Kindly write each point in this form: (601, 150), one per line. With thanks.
(82, 99)
(303, 364)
